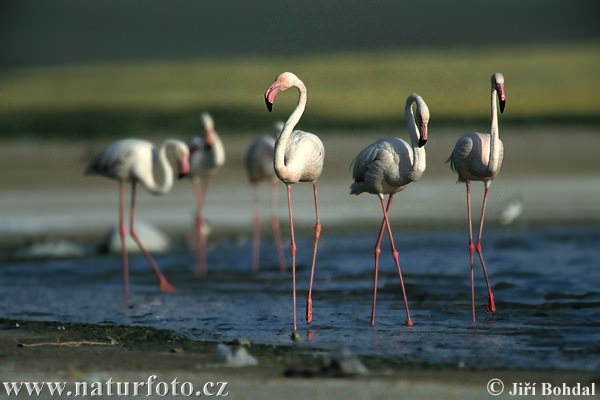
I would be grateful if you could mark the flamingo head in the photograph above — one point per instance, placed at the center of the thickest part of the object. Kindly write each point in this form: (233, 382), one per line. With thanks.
(422, 120)
(180, 154)
(498, 86)
(283, 82)
(209, 129)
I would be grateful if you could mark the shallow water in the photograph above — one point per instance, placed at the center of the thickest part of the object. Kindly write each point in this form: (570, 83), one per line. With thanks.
(546, 283)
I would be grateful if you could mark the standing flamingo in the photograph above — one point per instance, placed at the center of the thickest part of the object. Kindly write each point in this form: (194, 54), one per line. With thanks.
(207, 156)
(298, 158)
(133, 160)
(387, 167)
(259, 165)
(478, 157)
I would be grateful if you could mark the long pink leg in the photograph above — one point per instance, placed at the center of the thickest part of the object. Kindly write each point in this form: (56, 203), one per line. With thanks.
(293, 250)
(200, 240)
(123, 242)
(377, 252)
(165, 286)
(471, 251)
(312, 270)
(275, 226)
(256, 234)
(396, 260)
(491, 306)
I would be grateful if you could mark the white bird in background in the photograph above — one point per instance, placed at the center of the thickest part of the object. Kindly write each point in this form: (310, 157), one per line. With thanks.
(133, 160)
(207, 156)
(387, 167)
(478, 157)
(298, 158)
(259, 165)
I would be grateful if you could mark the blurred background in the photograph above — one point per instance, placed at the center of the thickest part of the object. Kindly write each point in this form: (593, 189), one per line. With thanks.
(75, 75)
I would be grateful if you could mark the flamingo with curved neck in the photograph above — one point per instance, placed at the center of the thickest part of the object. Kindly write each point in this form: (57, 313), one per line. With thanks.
(298, 157)
(478, 157)
(133, 160)
(387, 167)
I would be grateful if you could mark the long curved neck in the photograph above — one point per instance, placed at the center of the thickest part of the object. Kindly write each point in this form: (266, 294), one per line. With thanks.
(165, 169)
(494, 138)
(288, 127)
(418, 160)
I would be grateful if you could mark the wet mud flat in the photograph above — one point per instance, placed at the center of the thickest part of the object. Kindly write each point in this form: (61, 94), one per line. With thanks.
(31, 351)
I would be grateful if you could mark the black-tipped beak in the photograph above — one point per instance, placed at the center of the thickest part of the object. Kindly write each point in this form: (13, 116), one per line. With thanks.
(424, 134)
(182, 175)
(269, 105)
(502, 104)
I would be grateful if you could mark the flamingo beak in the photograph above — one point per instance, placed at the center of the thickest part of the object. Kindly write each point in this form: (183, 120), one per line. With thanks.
(423, 138)
(502, 97)
(209, 138)
(184, 167)
(271, 93)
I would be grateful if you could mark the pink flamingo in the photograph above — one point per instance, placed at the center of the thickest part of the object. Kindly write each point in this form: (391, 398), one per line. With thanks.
(298, 158)
(387, 167)
(133, 160)
(207, 156)
(478, 157)
(259, 165)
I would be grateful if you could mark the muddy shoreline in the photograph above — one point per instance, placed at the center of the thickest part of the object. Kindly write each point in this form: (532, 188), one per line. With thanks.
(30, 350)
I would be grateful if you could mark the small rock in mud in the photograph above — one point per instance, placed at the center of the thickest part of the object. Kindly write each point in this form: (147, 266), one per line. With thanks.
(341, 360)
(238, 357)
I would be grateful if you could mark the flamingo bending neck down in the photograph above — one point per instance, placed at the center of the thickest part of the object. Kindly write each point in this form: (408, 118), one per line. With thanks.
(387, 167)
(207, 156)
(478, 157)
(133, 160)
(298, 157)
(259, 165)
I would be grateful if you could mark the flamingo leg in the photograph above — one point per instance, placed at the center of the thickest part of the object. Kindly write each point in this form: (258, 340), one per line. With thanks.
(275, 226)
(377, 252)
(293, 250)
(256, 234)
(396, 260)
(312, 270)
(471, 251)
(165, 286)
(123, 242)
(200, 190)
(491, 306)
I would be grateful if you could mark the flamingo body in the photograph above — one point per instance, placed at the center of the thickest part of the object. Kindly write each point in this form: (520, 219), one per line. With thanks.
(259, 159)
(471, 155)
(387, 166)
(381, 166)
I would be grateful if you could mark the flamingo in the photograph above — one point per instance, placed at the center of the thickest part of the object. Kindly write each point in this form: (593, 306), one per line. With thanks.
(387, 167)
(298, 157)
(259, 165)
(478, 157)
(207, 156)
(133, 160)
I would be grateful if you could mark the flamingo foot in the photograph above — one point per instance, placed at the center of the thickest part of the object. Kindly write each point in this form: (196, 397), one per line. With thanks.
(491, 306)
(308, 310)
(409, 322)
(165, 286)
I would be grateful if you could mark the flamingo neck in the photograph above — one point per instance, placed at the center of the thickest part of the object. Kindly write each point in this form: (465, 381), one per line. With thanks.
(494, 138)
(418, 159)
(164, 166)
(288, 127)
